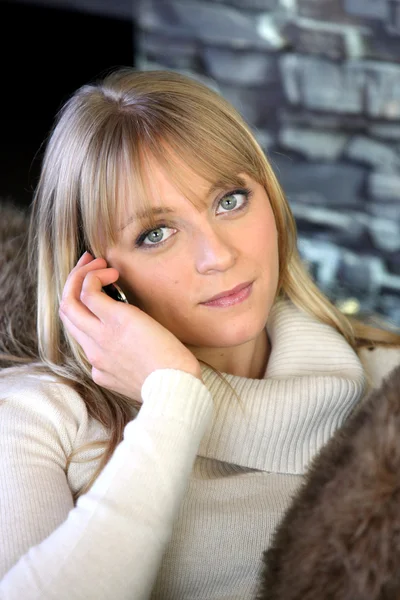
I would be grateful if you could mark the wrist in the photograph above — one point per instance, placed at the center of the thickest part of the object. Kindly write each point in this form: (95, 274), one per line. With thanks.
(174, 393)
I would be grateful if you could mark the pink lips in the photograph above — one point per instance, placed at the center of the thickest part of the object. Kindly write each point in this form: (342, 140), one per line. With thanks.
(231, 297)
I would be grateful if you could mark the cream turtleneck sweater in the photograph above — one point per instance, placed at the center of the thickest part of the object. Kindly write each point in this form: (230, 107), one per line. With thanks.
(190, 497)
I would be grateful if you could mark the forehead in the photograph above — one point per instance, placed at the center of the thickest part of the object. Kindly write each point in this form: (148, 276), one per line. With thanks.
(163, 184)
(171, 185)
(154, 187)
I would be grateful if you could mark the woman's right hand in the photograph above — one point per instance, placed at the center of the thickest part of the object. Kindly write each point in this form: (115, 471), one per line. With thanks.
(121, 342)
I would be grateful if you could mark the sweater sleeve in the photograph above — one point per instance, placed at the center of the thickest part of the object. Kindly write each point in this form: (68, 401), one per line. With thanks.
(111, 544)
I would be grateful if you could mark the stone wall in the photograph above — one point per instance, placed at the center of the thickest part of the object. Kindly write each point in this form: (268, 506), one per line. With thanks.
(319, 82)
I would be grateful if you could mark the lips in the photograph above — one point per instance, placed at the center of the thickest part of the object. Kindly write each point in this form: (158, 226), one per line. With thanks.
(228, 293)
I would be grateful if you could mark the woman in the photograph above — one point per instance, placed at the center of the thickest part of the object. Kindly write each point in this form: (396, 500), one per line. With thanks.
(154, 446)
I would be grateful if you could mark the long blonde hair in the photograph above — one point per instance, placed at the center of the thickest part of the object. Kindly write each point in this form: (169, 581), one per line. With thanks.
(101, 141)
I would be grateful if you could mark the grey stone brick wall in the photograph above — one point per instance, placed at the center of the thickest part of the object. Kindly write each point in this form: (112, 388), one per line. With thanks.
(319, 82)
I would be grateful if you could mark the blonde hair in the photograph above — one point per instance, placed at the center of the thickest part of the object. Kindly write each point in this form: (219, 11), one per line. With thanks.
(102, 140)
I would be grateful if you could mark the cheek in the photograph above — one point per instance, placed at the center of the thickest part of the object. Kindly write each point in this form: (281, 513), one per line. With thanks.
(157, 289)
(263, 240)
(149, 283)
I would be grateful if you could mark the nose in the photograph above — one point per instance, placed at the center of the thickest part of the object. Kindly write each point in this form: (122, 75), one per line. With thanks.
(213, 251)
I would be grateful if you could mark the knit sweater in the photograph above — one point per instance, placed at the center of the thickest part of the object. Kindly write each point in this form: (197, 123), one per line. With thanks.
(190, 498)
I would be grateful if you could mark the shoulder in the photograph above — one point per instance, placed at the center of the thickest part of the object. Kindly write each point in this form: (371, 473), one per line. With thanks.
(42, 391)
(379, 361)
(31, 400)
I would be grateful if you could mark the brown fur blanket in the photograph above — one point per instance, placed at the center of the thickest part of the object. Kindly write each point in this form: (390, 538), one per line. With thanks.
(340, 539)
(17, 287)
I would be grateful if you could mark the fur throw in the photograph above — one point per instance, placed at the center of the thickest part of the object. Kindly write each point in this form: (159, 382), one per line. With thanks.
(340, 539)
(17, 288)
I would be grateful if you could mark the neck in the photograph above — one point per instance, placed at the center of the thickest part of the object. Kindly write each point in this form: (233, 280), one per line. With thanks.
(247, 360)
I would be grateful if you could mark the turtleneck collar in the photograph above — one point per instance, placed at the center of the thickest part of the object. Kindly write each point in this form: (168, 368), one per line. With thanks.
(313, 381)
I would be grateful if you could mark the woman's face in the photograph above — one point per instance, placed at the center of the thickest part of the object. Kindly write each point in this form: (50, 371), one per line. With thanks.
(173, 271)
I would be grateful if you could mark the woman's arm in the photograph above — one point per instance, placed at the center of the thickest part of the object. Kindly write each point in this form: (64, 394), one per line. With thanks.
(111, 544)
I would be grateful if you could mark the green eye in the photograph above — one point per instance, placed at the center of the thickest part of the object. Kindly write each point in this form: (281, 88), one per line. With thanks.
(229, 203)
(233, 202)
(155, 236)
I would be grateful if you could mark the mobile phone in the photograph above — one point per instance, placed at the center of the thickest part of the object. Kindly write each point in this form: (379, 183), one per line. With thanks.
(114, 291)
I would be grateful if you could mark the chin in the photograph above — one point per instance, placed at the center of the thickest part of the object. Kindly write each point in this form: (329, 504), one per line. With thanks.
(229, 335)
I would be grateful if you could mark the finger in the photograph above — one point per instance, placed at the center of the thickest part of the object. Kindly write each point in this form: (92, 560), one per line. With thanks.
(84, 259)
(94, 356)
(94, 281)
(92, 296)
(86, 342)
(71, 304)
(85, 264)
(73, 284)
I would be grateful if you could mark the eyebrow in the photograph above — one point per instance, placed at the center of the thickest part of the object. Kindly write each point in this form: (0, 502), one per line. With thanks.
(147, 213)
